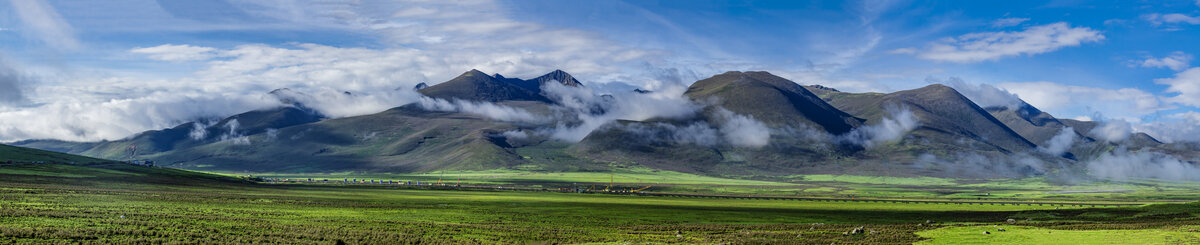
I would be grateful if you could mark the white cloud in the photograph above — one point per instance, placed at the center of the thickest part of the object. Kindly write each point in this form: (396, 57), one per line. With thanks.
(1060, 143)
(984, 95)
(666, 101)
(1186, 84)
(1070, 101)
(1177, 61)
(470, 35)
(1184, 126)
(46, 24)
(1113, 131)
(1121, 164)
(983, 46)
(741, 130)
(177, 53)
(894, 126)
(1159, 19)
(1007, 22)
(489, 110)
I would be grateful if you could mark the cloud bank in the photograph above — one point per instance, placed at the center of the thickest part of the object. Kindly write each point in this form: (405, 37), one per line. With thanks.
(1121, 164)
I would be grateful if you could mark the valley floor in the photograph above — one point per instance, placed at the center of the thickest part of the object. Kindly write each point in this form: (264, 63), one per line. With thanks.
(122, 204)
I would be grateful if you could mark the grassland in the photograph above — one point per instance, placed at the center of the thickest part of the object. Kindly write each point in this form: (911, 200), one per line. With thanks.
(127, 204)
(840, 186)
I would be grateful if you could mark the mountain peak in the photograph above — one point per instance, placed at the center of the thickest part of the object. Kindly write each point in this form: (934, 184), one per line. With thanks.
(561, 76)
(771, 99)
(474, 73)
(475, 85)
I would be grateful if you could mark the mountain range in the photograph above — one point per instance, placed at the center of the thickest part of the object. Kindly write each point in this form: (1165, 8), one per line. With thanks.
(742, 124)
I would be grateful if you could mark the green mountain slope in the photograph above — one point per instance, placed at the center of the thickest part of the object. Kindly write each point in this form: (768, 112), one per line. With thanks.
(22, 154)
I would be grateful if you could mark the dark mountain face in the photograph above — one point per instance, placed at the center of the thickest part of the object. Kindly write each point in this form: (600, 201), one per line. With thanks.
(944, 115)
(771, 99)
(1137, 140)
(560, 77)
(1033, 124)
(477, 86)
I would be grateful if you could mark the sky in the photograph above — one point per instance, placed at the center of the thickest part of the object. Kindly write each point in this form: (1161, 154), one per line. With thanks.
(105, 70)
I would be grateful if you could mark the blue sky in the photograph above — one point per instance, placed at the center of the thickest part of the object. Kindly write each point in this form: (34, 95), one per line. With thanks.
(104, 70)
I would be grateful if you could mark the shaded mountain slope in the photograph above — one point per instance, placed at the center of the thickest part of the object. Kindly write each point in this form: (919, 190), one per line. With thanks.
(184, 135)
(474, 85)
(771, 99)
(403, 139)
(944, 115)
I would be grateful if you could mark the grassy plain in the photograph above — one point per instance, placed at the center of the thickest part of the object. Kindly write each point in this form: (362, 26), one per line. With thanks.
(1026, 189)
(127, 204)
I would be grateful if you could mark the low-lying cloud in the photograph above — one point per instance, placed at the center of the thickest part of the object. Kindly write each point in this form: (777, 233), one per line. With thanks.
(742, 130)
(977, 165)
(1060, 143)
(984, 95)
(894, 126)
(591, 111)
(1113, 131)
(1121, 164)
(485, 109)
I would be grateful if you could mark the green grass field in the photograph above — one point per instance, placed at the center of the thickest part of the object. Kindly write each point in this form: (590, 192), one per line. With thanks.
(1026, 189)
(127, 204)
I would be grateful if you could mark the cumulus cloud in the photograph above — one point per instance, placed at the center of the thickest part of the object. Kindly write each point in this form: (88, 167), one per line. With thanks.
(177, 53)
(1008, 22)
(1064, 100)
(1060, 143)
(1123, 165)
(43, 21)
(1114, 130)
(1177, 61)
(1186, 84)
(984, 46)
(1159, 19)
(894, 126)
(984, 95)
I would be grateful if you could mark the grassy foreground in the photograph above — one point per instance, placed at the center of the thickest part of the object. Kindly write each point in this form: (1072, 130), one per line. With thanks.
(122, 204)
